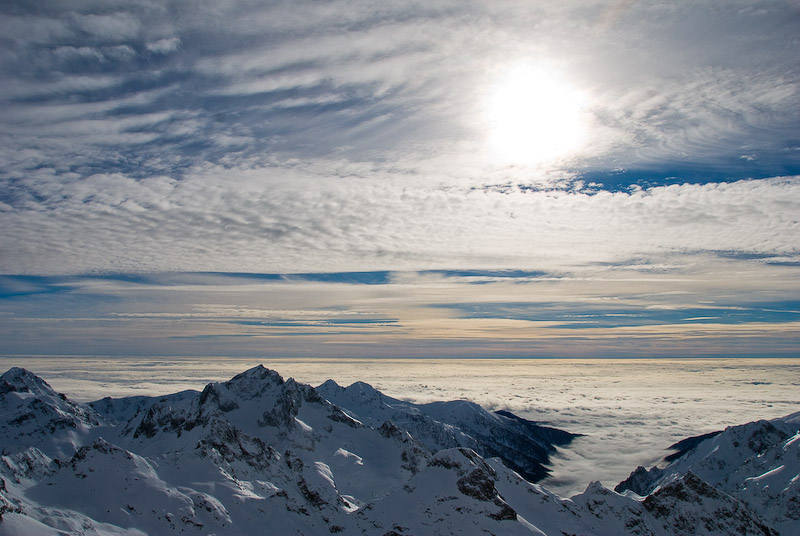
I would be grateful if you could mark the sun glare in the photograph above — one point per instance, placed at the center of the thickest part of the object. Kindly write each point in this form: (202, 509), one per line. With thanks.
(534, 116)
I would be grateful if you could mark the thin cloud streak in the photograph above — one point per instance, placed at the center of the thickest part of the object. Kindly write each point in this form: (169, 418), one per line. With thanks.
(409, 315)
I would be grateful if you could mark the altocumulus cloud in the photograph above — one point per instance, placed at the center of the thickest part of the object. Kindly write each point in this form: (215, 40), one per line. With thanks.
(281, 220)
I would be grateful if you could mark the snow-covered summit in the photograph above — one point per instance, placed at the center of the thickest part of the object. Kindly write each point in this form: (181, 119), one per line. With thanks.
(32, 413)
(21, 380)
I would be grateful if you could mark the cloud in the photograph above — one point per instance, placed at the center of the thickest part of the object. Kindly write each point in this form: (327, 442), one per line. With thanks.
(115, 27)
(286, 218)
(351, 137)
(164, 46)
(601, 312)
(404, 81)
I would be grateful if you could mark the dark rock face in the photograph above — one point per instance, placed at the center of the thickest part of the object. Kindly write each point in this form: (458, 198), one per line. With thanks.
(477, 484)
(211, 396)
(162, 418)
(687, 445)
(337, 415)
(285, 409)
(641, 481)
(226, 442)
(763, 436)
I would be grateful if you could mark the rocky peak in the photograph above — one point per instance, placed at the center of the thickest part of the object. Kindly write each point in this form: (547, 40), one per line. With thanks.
(762, 435)
(641, 481)
(215, 396)
(251, 383)
(20, 380)
(689, 505)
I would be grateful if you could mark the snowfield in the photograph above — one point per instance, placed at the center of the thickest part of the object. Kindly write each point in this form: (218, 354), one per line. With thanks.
(262, 455)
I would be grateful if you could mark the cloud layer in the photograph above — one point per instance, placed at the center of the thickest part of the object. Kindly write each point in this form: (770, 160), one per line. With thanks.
(284, 220)
(722, 308)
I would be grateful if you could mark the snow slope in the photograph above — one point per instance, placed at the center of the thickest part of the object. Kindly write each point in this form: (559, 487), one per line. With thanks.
(523, 446)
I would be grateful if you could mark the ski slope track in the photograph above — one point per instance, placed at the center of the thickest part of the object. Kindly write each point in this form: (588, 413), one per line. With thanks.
(262, 455)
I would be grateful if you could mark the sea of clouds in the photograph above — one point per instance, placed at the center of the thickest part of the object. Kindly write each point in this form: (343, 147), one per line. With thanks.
(629, 410)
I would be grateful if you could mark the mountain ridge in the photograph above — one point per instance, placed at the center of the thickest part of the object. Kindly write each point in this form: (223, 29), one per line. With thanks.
(327, 460)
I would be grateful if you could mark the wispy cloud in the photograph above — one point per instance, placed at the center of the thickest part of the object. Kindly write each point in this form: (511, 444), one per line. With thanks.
(666, 86)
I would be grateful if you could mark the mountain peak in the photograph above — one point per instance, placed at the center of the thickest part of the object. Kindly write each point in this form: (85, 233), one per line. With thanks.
(22, 380)
(330, 384)
(33, 413)
(259, 372)
(362, 389)
(253, 382)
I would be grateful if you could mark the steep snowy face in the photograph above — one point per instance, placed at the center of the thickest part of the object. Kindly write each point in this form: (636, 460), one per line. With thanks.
(102, 470)
(453, 494)
(32, 413)
(370, 406)
(757, 463)
(523, 445)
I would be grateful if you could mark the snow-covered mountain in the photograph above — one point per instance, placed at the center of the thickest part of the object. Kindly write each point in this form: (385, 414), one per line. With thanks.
(758, 464)
(262, 455)
(522, 445)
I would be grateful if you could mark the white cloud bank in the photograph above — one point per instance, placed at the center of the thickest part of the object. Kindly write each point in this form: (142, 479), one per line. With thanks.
(283, 220)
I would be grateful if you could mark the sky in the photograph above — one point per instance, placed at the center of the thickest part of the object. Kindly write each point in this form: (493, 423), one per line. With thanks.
(400, 179)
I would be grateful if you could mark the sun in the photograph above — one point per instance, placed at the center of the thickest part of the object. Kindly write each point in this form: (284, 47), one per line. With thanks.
(534, 116)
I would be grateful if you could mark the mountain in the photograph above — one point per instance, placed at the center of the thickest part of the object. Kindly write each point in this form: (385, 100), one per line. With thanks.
(522, 445)
(262, 455)
(757, 463)
(31, 413)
